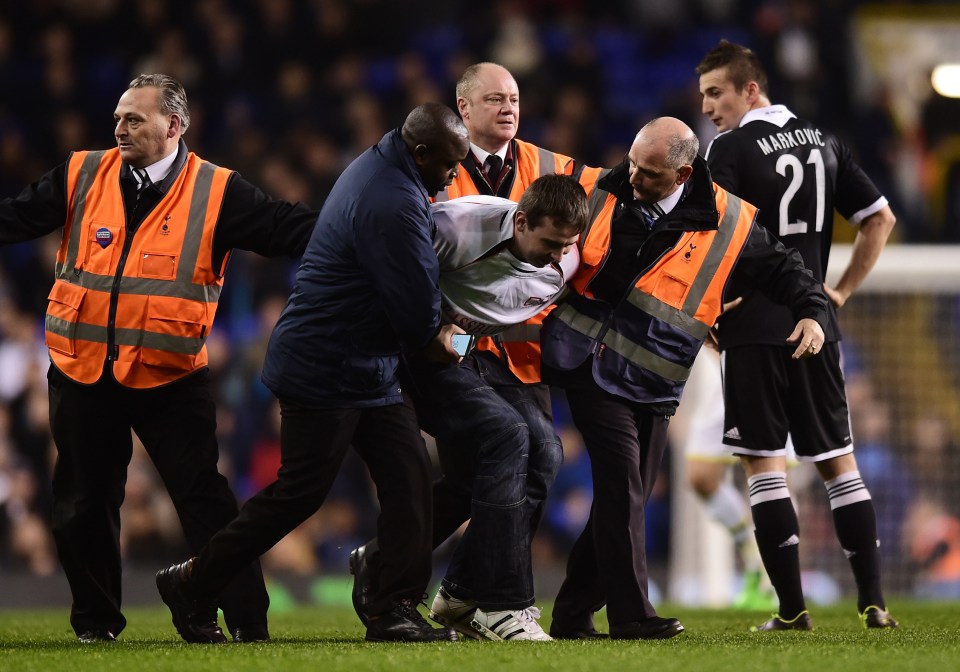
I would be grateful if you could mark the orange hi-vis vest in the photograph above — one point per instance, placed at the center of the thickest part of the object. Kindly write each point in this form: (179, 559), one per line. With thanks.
(644, 346)
(144, 300)
(520, 344)
(529, 163)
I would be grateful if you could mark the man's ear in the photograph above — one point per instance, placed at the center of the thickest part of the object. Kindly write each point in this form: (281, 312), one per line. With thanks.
(684, 173)
(420, 154)
(462, 106)
(519, 221)
(753, 92)
(174, 126)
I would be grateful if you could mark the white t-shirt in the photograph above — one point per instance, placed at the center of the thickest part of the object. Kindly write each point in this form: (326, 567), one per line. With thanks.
(482, 294)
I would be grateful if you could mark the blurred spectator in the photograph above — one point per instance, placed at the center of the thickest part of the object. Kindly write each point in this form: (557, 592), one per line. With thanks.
(934, 538)
(933, 448)
(25, 539)
(149, 528)
(882, 469)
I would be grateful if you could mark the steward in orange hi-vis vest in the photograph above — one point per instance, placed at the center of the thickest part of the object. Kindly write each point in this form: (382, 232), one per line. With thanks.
(646, 344)
(663, 243)
(644, 339)
(143, 301)
(525, 163)
(147, 228)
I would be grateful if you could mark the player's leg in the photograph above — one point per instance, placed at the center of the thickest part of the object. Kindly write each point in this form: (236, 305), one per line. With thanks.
(755, 428)
(777, 531)
(826, 426)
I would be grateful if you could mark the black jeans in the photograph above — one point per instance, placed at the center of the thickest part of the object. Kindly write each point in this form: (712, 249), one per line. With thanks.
(313, 443)
(177, 423)
(499, 455)
(608, 562)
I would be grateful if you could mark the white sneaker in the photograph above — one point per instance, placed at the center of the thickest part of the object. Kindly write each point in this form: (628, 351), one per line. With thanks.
(510, 625)
(453, 613)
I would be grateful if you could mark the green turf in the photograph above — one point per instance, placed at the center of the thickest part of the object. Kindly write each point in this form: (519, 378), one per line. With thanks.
(331, 640)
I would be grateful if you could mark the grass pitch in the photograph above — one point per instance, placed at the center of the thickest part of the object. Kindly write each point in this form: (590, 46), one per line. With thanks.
(331, 640)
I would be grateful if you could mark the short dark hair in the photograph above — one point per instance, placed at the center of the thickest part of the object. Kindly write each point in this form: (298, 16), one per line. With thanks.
(173, 99)
(431, 124)
(557, 196)
(741, 63)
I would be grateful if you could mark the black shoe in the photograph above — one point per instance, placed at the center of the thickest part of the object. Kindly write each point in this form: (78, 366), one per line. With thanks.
(95, 635)
(576, 633)
(801, 621)
(195, 619)
(654, 627)
(875, 617)
(405, 624)
(245, 634)
(364, 583)
(559, 630)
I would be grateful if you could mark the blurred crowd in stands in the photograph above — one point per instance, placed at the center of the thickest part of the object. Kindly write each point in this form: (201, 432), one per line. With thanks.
(288, 92)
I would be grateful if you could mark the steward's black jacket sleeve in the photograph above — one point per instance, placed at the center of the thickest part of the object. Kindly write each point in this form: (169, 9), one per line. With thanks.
(766, 265)
(251, 220)
(39, 209)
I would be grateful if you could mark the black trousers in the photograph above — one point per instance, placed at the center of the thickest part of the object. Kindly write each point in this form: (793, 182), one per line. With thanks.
(91, 427)
(608, 562)
(313, 443)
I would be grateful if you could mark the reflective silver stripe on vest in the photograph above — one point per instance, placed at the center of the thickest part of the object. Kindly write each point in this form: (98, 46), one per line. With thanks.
(639, 355)
(132, 337)
(195, 220)
(183, 287)
(718, 249)
(521, 333)
(681, 319)
(88, 171)
(442, 196)
(547, 158)
(587, 326)
(149, 286)
(595, 203)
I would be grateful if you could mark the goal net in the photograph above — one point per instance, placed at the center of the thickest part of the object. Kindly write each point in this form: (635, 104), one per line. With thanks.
(901, 354)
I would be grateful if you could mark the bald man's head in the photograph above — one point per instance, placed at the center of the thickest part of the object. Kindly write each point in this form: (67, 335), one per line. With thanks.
(680, 141)
(661, 159)
(438, 141)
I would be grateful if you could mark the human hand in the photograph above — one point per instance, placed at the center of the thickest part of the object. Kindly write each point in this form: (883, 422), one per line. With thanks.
(713, 339)
(440, 349)
(836, 298)
(730, 305)
(809, 333)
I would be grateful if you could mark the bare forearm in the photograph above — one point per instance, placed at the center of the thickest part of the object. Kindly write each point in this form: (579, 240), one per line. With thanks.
(867, 246)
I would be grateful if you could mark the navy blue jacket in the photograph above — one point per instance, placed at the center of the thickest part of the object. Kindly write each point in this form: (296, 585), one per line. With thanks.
(368, 285)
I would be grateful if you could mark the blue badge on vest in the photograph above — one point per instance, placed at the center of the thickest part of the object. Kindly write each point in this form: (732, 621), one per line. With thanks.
(104, 237)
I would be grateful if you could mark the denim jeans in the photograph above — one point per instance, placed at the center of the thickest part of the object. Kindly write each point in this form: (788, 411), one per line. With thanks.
(497, 446)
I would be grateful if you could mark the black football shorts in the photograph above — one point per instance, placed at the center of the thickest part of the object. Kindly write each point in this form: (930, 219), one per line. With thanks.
(768, 395)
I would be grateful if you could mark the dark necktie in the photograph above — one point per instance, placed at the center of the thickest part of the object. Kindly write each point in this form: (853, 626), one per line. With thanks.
(648, 217)
(142, 179)
(493, 165)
